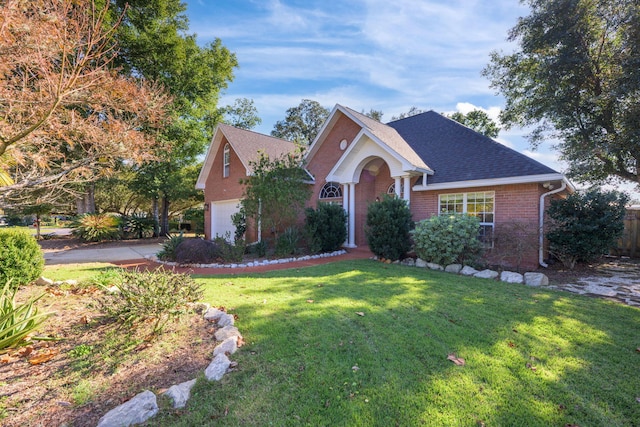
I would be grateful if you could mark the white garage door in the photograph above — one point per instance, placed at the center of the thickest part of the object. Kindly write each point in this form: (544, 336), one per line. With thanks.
(221, 217)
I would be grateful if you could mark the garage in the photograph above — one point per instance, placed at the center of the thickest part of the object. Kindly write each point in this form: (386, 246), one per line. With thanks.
(221, 223)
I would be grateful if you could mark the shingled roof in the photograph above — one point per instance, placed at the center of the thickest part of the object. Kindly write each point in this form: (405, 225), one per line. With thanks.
(247, 145)
(456, 153)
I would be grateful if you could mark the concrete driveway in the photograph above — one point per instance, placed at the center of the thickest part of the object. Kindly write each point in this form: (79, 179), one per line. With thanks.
(86, 255)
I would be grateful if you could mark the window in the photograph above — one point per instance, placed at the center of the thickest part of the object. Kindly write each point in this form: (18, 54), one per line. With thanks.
(392, 189)
(332, 193)
(226, 161)
(480, 205)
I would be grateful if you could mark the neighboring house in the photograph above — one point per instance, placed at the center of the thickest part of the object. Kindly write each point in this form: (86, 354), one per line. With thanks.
(434, 163)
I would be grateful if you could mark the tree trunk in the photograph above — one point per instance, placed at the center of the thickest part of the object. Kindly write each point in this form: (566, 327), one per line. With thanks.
(87, 203)
(156, 218)
(164, 224)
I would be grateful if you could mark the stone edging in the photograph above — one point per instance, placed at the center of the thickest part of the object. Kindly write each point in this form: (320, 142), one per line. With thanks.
(529, 279)
(144, 406)
(249, 264)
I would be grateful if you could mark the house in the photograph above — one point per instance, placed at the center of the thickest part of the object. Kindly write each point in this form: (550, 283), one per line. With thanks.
(434, 163)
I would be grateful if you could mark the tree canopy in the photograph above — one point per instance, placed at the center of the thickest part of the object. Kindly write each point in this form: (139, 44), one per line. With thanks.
(576, 77)
(477, 120)
(302, 123)
(242, 114)
(412, 112)
(65, 114)
(276, 192)
(155, 44)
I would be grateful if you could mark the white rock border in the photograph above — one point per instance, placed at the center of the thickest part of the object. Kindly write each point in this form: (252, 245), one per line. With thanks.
(143, 406)
(533, 279)
(249, 264)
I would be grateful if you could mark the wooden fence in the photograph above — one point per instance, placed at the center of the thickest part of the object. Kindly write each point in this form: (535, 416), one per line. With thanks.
(629, 243)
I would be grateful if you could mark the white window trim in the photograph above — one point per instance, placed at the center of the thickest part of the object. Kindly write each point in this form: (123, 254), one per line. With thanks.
(226, 161)
(464, 209)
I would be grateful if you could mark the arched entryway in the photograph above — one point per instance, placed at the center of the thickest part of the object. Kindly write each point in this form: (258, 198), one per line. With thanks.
(373, 183)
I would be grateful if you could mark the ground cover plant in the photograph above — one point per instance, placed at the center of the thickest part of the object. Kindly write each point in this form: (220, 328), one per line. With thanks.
(364, 343)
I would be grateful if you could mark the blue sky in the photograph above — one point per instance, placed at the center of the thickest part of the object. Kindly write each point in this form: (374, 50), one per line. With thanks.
(365, 54)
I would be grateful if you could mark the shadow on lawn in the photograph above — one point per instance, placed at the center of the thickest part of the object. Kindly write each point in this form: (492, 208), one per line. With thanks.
(533, 357)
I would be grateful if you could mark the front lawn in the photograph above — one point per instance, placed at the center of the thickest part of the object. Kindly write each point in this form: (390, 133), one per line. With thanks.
(365, 343)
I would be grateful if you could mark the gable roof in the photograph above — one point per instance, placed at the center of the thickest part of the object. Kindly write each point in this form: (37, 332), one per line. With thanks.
(377, 131)
(457, 153)
(246, 144)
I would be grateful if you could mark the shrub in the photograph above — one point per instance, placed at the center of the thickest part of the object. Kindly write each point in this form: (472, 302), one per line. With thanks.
(514, 241)
(139, 225)
(239, 220)
(258, 248)
(21, 259)
(448, 239)
(326, 227)
(168, 251)
(196, 251)
(151, 296)
(95, 227)
(585, 225)
(287, 242)
(388, 226)
(196, 217)
(230, 252)
(17, 321)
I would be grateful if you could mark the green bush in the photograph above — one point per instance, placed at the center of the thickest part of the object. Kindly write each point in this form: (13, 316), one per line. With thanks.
(259, 249)
(326, 227)
(585, 225)
(139, 225)
(196, 217)
(448, 239)
(17, 321)
(96, 227)
(287, 242)
(150, 297)
(169, 247)
(388, 226)
(21, 259)
(239, 220)
(230, 252)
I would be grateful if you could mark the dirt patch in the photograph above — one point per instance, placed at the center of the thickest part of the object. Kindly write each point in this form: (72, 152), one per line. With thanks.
(94, 366)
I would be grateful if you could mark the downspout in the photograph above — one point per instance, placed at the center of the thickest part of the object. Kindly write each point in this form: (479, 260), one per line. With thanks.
(541, 224)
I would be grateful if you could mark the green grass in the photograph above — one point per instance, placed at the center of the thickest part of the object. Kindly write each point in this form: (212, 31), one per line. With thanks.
(533, 357)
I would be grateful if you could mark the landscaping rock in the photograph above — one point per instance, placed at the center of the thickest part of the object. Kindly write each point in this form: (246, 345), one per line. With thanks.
(217, 368)
(453, 268)
(180, 393)
(227, 332)
(136, 411)
(434, 266)
(486, 274)
(213, 314)
(536, 279)
(421, 263)
(200, 307)
(225, 320)
(409, 262)
(468, 271)
(228, 346)
(43, 281)
(511, 277)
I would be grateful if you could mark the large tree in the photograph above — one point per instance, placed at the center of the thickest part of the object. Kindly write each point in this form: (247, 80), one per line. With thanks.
(302, 123)
(155, 43)
(477, 120)
(242, 114)
(576, 77)
(64, 112)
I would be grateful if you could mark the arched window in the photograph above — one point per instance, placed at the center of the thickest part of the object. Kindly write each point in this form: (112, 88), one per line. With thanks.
(331, 192)
(392, 189)
(226, 161)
